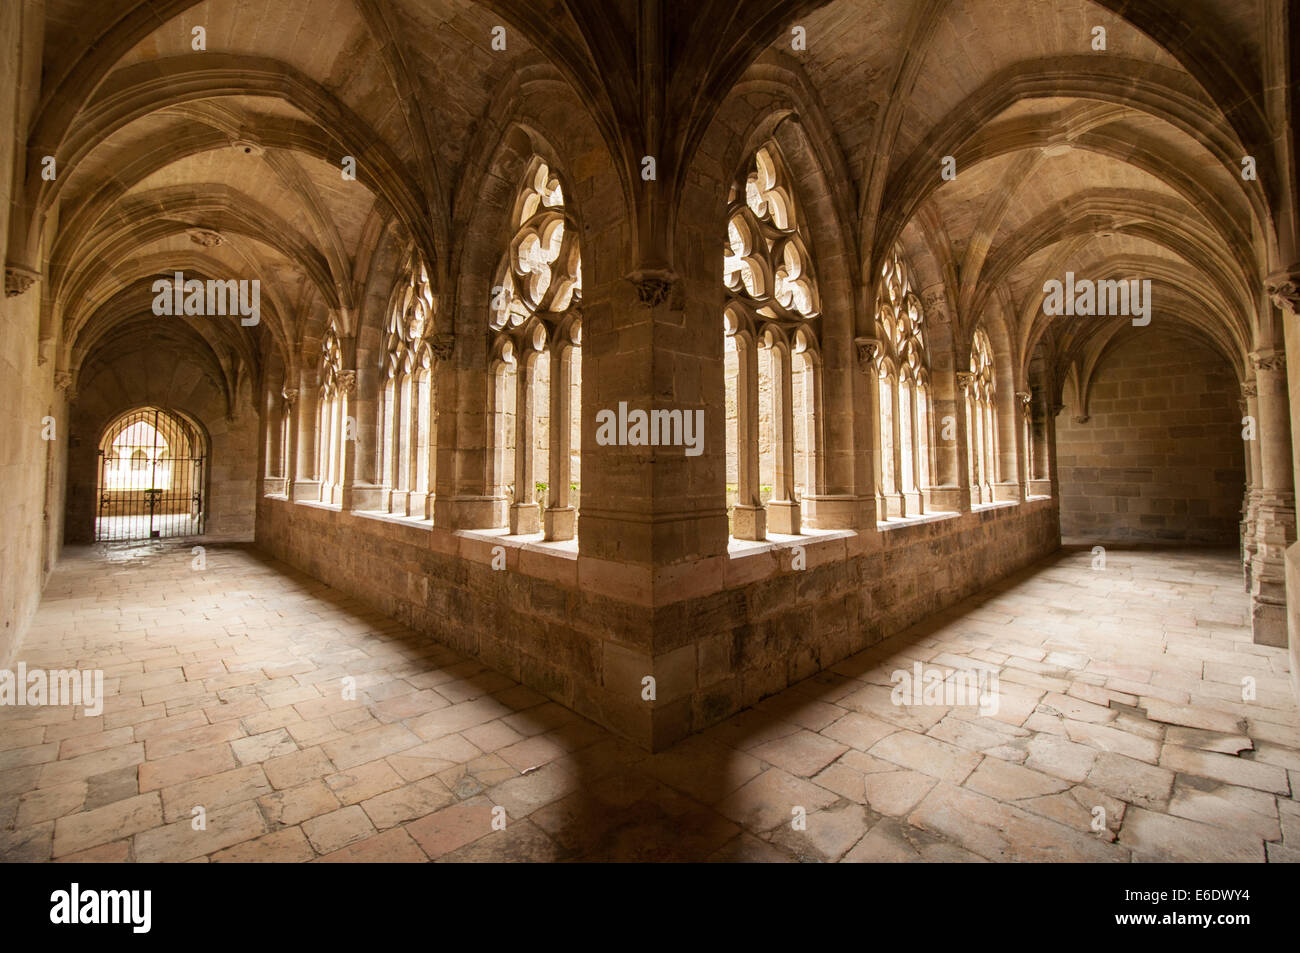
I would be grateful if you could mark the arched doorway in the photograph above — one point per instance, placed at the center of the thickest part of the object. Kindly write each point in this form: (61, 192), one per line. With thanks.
(152, 477)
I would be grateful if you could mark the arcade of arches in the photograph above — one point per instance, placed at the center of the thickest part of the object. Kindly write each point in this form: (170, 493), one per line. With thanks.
(695, 345)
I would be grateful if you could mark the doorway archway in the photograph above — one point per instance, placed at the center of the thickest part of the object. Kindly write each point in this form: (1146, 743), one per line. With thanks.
(152, 477)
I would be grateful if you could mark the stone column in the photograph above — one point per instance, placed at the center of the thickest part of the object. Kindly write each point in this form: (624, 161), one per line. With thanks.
(749, 518)
(951, 489)
(347, 451)
(292, 408)
(524, 511)
(1275, 511)
(967, 471)
(306, 484)
(1250, 505)
(783, 510)
(1024, 423)
(1284, 292)
(559, 519)
(363, 407)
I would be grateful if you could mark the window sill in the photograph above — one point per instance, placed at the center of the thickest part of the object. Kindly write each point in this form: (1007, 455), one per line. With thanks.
(901, 522)
(740, 548)
(419, 522)
(533, 542)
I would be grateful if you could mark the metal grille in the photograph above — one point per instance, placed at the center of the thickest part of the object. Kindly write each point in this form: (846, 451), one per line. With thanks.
(151, 478)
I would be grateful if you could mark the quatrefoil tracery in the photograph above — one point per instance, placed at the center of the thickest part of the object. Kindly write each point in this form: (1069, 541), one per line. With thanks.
(410, 324)
(900, 323)
(541, 275)
(766, 260)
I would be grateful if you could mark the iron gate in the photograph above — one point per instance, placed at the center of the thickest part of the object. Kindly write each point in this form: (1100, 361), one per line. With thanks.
(150, 482)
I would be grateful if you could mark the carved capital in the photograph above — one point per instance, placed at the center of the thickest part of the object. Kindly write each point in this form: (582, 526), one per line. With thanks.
(1284, 290)
(965, 380)
(935, 302)
(18, 279)
(1025, 397)
(348, 383)
(868, 352)
(1268, 360)
(63, 383)
(1080, 418)
(443, 345)
(654, 288)
(1250, 389)
(290, 396)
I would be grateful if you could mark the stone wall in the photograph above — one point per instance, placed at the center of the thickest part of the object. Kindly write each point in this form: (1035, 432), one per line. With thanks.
(31, 466)
(1160, 456)
(743, 626)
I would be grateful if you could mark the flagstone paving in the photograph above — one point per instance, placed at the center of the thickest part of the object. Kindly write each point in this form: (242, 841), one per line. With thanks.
(1122, 733)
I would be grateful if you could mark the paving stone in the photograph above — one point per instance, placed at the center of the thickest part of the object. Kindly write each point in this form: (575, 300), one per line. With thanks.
(1159, 837)
(214, 791)
(1011, 782)
(828, 834)
(407, 803)
(77, 832)
(1105, 738)
(295, 805)
(1133, 781)
(453, 827)
(893, 842)
(998, 831)
(179, 841)
(1224, 805)
(1222, 767)
(938, 759)
(395, 846)
(770, 799)
(329, 832)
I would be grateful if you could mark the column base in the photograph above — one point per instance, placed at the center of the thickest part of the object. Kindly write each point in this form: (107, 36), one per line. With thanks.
(783, 517)
(525, 519)
(559, 522)
(1268, 623)
(749, 522)
(469, 512)
(839, 512)
(367, 496)
(949, 499)
(306, 490)
(1007, 492)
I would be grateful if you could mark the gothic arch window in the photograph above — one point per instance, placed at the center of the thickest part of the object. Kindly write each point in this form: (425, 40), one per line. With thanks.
(981, 430)
(904, 429)
(535, 325)
(405, 446)
(772, 369)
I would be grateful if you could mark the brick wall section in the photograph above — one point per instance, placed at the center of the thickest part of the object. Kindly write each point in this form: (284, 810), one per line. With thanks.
(762, 627)
(1161, 457)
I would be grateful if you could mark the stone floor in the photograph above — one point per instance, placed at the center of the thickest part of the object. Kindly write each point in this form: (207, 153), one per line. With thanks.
(1120, 734)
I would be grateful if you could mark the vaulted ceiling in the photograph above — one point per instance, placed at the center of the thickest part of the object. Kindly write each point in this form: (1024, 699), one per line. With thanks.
(1121, 163)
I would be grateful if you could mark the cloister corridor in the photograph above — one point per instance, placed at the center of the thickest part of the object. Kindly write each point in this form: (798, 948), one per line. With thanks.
(1120, 698)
